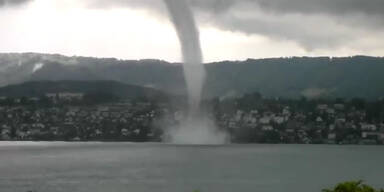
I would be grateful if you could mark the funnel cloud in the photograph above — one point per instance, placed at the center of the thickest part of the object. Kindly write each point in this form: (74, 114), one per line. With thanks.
(195, 129)
(188, 33)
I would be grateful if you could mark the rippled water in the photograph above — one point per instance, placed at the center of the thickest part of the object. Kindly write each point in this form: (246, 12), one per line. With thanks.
(127, 167)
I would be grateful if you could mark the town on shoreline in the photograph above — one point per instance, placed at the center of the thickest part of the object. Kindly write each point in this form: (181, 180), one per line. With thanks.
(247, 119)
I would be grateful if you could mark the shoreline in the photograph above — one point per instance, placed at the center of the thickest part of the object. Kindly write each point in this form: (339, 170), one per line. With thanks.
(67, 143)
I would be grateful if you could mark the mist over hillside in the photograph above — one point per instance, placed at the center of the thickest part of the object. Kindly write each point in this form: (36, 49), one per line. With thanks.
(358, 76)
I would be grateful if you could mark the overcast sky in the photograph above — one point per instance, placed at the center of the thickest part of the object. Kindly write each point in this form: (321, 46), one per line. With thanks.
(230, 29)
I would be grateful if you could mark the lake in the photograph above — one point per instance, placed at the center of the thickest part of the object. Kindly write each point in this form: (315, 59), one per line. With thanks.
(128, 167)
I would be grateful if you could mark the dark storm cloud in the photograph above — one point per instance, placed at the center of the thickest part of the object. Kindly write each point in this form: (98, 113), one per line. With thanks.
(310, 23)
(326, 7)
(12, 2)
(302, 31)
(313, 24)
(155, 4)
(215, 6)
(336, 7)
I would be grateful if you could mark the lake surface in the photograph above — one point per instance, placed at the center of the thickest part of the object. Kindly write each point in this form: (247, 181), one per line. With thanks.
(127, 167)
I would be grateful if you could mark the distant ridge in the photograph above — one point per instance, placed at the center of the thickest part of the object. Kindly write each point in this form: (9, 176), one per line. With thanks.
(293, 77)
(40, 88)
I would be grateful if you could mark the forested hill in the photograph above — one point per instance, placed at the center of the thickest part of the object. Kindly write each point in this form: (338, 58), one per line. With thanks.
(358, 76)
(117, 89)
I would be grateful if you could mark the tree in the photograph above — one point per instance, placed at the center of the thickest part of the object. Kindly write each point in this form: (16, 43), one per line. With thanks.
(100, 98)
(24, 101)
(352, 186)
(358, 103)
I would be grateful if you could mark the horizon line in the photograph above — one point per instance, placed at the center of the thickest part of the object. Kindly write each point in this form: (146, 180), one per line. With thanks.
(205, 62)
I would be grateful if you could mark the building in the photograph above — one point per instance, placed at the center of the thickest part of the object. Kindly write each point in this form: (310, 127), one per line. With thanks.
(65, 96)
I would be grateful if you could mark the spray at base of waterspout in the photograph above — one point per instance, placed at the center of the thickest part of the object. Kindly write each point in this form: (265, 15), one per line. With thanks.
(196, 131)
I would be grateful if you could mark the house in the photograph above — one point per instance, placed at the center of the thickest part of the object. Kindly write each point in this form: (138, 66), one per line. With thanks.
(300, 117)
(76, 139)
(102, 108)
(331, 112)
(232, 125)
(51, 95)
(125, 132)
(322, 107)
(332, 127)
(5, 132)
(340, 120)
(368, 127)
(279, 119)
(34, 99)
(372, 135)
(368, 142)
(178, 116)
(21, 134)
(339, 107)
(332, 136)
(70, 96)
(290, 130)
(265, 120)
(98, 132)
(137, 131)
(286, 112)
(239, 115)
(267, 128)
(254, 112)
